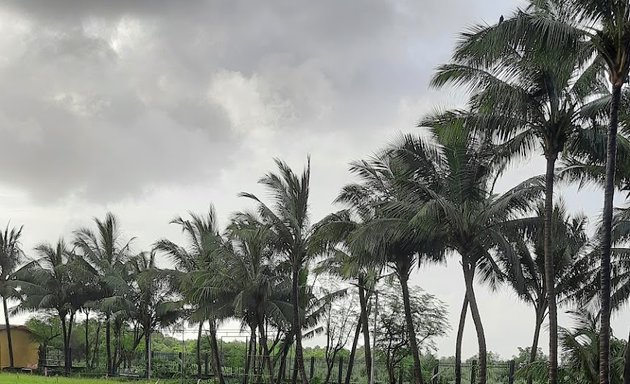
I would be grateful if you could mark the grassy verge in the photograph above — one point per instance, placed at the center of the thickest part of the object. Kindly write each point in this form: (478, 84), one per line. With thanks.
(6, 378)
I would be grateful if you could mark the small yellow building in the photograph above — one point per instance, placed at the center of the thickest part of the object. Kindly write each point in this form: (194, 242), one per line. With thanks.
(24, 348)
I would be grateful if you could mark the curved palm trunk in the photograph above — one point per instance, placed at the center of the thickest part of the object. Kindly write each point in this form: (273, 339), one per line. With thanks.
(540, 314)
(297, 326)
(609, 193)
(265, 348)
(147, 352)
(366, 328)
(626, 363)
(549, 270)
(87, 338)
(64, 335)
(474, 310)
(108, 344)
(286, 346)
(460, 338)
(250, 352)
(216, 359)
(403, 277)
(8, 327)
(95, 348)
(198, 349)
(353, 351)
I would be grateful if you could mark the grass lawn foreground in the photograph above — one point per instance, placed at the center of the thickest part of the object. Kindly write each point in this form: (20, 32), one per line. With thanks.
(10, 378)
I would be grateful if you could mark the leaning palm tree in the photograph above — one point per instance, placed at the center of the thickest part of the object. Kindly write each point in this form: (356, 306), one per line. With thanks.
(572, 264)
(448, 187)
(11, 255)
(154, 304)
(54, 282)
(535, 94)
(192, 263)
(104, 255)
(606, 26)
(253, 276)
(389, 240)
(334, 233)
(288, 218)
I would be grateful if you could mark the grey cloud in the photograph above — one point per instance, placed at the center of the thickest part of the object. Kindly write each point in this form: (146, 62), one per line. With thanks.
(105, 100)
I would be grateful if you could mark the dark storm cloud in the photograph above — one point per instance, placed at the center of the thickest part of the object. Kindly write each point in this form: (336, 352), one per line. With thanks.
(103, 100)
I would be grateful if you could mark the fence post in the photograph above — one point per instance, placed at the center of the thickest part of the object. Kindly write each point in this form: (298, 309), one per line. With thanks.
(69, 359)
(312, 370)
(511, 369)
(340, 370)
(473, 371)
(205, 364)
(436, 373)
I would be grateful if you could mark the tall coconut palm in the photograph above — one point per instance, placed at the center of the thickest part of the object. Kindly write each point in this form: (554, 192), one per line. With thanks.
(533, 93)
(154, 304)
(253, 276)
(572, 264)
(449, 188)
(104, 254)
(389, 240)
(335, 233)
(606, 26)
(53, 281)
(11, 255)
(192, 263)
(289, 218)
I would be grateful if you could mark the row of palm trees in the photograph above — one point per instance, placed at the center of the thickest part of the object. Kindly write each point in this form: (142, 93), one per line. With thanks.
(547, 79)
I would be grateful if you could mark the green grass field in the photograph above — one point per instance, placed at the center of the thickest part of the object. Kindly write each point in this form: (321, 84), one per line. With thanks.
(11, 378)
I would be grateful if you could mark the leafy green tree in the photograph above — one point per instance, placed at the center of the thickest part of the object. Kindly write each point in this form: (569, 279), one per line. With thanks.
(335, 233)
(572, 266)
(288, 217)
(154, 305)
(11, 256)
(535, 94)
(193, 262)
(449, 189)
(429, 318)
(393, 239)
(104, 255)
(54, 282)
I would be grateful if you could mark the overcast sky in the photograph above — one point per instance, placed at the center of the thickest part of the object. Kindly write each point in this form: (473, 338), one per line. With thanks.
(150, 109)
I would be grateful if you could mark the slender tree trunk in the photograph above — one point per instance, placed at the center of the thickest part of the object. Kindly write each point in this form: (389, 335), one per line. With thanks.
(286, 347)
(460, 338)
(474, 310)
(550, 281)
(216, 358)
(250, 352)
(69, 358)
(294, 374)
(353, 352)
(108, 344)
(96, 347)
(8, 327)
(609, 194)
(626, 363)
(116, 349)
(147, 352)
(64, 335)
(198, 348)
(403, 277)
(540, 312)
(366, 328)
(265, 348)
(329, 367)
(297, 326)
(87, 339)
